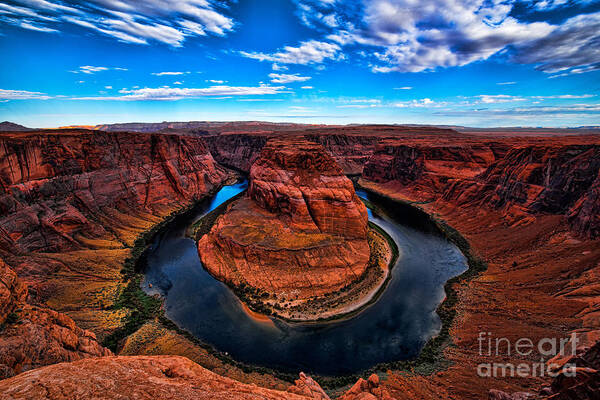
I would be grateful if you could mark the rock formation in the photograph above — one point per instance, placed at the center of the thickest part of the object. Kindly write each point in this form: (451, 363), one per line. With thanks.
(31, 336)
(521, 180)
(238, 151)
(301, 230)
(12, 291)
(55, 187)
(71, 204)
(161, 377)
(73, 201)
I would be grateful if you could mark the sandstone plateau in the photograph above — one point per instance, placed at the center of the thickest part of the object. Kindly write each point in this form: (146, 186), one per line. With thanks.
(72, 203)
(300, 232)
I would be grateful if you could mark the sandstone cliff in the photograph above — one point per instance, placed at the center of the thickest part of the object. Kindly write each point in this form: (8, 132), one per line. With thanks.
(54, 187)
(238, 151)
(301, 230)
(521, 180)
(31, 336)
(71, 204)
(161, 377)
(12, 291)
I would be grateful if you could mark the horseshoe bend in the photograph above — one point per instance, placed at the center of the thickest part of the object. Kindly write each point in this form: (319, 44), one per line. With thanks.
(114, 246)
(298, 241)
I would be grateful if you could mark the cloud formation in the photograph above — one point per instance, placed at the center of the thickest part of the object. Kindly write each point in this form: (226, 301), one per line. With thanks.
(90, 69)
(169, 93)
(169, 73)
(130, 21)
(415, 36)
(288, 78)
(309, 52)
(22, 95)
(572, 48)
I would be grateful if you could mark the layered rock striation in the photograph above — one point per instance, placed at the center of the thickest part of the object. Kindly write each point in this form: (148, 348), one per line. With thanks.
(72, 202)
(54, 188)
(521, 179)
(33, 336)
(300, 232)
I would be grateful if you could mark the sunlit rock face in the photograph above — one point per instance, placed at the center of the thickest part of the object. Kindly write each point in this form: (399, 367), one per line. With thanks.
(299, 181)
(299, 232)
(521, 180)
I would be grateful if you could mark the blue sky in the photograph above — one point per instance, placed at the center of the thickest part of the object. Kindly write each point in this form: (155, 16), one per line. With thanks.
(473, 63)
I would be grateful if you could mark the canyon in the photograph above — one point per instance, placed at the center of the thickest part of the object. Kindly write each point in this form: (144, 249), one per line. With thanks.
(74, 202)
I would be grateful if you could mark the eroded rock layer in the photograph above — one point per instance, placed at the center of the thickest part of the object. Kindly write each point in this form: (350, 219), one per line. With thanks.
(55, 186)
(300, 231)
(522, 180)
(140, 377)
(72, 202)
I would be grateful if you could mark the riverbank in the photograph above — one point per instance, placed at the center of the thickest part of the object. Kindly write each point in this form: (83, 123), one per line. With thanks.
(532, 267)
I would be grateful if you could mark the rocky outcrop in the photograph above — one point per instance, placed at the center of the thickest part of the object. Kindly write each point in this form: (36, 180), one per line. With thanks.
(12, 291)
(39, 337)
(306, 386)
(351, 152)
(31, 337)
(429, 164)
(584, 216)
(55, 187)
(300, 231)
(72, 202)
(238, 151)
(139, 377)
(522, 179)
(369, 389)
(578, 378)
(299, 181)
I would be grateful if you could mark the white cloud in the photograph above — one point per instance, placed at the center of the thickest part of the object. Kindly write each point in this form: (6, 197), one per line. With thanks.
(169, 73)
(22, 11)
(22, 95)
(417, 103)
(131, 26)
(217, 81)
(277, 67)
(565, 96)
(403, 88)
(38, 28)
(414, 36)
(168, 93)
(288, 78)
(306, 87)
(499, 98)
(505, 83)
(309, 52)
(90, 69)
(572, 48)
(49, 6)
(132, 21)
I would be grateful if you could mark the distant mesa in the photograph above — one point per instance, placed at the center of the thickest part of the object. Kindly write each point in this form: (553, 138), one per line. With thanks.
(7, 126)
(300, 232)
